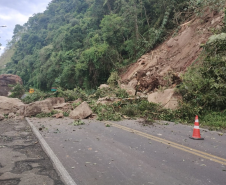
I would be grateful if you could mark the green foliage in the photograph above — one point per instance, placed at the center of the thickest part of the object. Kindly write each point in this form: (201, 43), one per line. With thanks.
(216, 44)
(110, 92)
(106, 112)
(44, 115)
(204, 84)
(66, 114)
(200, 6)
(214, 120)
(78, 123)
(37, 96)
(121, 93)
(113, 79)
(77, 43)
(17, 91)
(6, 57)
(71, 95)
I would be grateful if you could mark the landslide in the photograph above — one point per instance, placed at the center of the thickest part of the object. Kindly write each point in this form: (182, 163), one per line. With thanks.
(163, 66)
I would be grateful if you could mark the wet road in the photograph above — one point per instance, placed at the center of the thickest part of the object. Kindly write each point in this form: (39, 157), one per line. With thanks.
(129, 153)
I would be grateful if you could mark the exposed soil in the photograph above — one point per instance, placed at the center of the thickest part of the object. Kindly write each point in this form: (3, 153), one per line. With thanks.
(164, 65)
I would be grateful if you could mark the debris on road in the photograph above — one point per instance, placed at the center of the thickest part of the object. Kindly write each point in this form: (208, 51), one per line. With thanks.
(81, 112)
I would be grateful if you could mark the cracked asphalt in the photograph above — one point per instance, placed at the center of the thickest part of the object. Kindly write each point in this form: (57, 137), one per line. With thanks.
(22, 159)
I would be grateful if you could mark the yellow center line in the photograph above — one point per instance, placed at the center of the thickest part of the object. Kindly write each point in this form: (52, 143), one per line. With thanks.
(172, 144)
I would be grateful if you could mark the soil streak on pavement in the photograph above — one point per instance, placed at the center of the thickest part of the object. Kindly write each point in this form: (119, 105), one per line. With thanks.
(94, 154)
(22, 160)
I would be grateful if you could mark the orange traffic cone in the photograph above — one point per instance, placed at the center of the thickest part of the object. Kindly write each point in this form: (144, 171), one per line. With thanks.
(196, 132)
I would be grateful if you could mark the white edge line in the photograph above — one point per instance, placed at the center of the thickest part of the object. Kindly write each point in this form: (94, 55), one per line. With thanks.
(56, 162)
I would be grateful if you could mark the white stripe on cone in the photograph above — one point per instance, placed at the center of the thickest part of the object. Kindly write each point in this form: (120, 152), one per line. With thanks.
(197, 127)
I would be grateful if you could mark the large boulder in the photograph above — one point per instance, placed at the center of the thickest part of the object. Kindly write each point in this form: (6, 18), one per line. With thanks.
(168, 99)
(45, 106)
(6, 80)
(81, 112)
(64, 107)
(8, 105)
(129, 89)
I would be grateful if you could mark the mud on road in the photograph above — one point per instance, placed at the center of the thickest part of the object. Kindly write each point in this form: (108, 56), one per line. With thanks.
(22, 159)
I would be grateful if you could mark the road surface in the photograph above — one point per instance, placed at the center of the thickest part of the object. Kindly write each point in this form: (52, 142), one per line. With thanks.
(22, 160)
(127, 153)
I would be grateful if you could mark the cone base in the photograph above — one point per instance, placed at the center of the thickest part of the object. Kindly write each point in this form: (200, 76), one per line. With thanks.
(196, 138)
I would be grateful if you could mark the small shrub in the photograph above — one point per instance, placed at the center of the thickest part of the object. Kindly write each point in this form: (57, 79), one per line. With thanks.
(44, 115)
(71, 95)
(78, 123)
(37, 96)
(113, 79)
(17, 91)
(130, 110)
(121, 93)
(66, 114)
(106, 112)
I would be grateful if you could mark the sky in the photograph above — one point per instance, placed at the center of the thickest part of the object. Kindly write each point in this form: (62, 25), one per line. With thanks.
(14, 12)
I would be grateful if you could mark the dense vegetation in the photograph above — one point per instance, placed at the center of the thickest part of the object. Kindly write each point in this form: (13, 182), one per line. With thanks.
(204, 84)
(80, 42)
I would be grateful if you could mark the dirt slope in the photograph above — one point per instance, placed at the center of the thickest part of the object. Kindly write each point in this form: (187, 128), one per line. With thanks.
(173, 56)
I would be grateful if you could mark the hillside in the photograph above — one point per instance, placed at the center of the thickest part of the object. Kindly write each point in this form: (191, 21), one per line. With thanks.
(79, 43)
(173, 56)
(159, 49)
(6, 57)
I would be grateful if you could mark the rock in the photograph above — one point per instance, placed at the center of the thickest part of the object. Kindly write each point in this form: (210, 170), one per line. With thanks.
(2, 117)
(11, 115)
(216, 20)
(171, 43)
(102, 86)
(59, 115)
(19, 117)
(133, 83)
(45, 106)
(142, 95)
(21, 111)
(81, 112)
(167, 98)
(6, 80)
(59, 111)
(129, 89)
(165, 71)
(63, 107)
(79, 100)
(8, 105)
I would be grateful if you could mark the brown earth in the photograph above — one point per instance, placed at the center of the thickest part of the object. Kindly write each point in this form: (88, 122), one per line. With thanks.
(164, 65)
(6, 80)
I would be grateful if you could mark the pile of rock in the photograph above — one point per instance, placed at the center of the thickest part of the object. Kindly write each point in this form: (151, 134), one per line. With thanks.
(15, 108)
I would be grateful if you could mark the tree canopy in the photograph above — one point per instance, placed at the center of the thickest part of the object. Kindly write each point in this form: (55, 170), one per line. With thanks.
(80, 42)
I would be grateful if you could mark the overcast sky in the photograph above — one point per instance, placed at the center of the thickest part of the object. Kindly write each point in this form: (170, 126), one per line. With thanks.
(14, 12)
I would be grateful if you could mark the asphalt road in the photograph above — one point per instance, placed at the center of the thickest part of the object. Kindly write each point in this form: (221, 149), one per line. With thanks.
(127, 153)
(22, 159)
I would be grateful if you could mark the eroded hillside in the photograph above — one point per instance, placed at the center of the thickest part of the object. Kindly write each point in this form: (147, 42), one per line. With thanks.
(163, 66)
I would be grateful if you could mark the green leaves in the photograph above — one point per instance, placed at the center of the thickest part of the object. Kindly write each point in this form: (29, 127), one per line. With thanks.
(79, 43)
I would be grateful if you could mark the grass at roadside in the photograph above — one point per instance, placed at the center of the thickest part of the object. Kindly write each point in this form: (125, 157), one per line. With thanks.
(214, 120)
